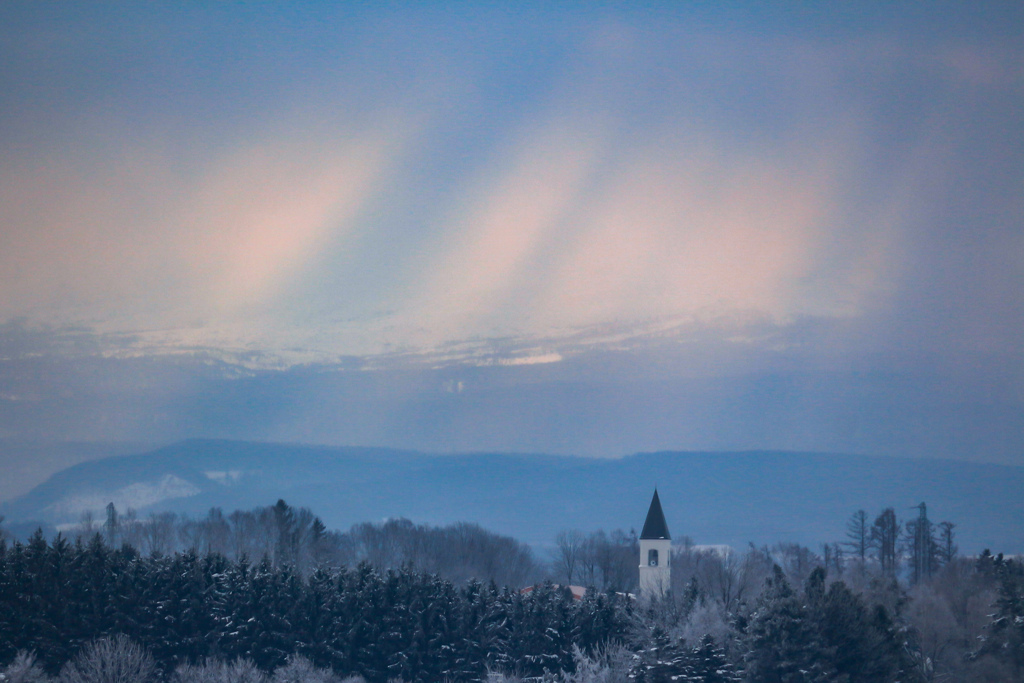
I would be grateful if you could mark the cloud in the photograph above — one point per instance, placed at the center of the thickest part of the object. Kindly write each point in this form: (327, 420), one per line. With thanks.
(505, 228)
(626, 170)
(263, 212)
(683, 230)
(129, 239)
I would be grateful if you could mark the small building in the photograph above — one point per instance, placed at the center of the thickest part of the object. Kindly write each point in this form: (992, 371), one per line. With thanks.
(655, 552)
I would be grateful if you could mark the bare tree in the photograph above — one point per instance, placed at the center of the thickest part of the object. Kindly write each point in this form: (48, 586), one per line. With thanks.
(132, 529)
(947, 543)
(570, 547)
(730, 577)
(110, 660)
(190, 534)
(458, 552)
(217, 671)
(938, 635)
(216, 533)
(301, 670)
(588, 572)
(832, 557)
(620, 559)
(302, 541)
(797, 561)
(245, 534)
(86, 525)
(318, 543)
(858, 531)
(160, 534)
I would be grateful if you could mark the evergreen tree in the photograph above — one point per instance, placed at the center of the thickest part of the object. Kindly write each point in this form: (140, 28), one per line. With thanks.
(42, 586)
(315, 615)
(707, 663)
(858, 650)
(783, 646)
(275, 597)
(112, 526)
(190, 608)
(921, 546)
(287, 536)
(885, 533)
(1004, 638)
(363, 624)
(9, 616)
(236, 611)
(662, 661)
(494, 637)
(318, 543)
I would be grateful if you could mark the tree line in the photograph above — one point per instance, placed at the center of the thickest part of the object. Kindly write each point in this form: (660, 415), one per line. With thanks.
(604, 561)
(953, 618)
(57, 597)
(779, 613)
(297, 538)
(888, 542)
(206, 618)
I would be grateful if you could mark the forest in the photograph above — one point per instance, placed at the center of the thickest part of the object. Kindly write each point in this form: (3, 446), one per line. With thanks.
(271, 595)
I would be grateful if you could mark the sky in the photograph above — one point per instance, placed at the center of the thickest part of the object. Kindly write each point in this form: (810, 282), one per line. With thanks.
(706, 202)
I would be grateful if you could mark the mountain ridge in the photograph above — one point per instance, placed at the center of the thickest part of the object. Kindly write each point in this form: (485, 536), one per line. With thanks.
(730, 497)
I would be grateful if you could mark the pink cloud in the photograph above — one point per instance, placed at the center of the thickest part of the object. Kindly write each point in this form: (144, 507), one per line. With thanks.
(130, 239)
(500, 237)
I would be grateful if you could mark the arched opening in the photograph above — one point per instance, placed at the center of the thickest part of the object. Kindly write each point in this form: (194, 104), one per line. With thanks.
(652, 558)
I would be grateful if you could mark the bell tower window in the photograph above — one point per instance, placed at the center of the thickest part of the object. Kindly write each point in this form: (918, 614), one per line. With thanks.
(652, 558)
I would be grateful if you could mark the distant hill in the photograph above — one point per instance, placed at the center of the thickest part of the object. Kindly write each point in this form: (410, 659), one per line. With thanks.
(714, 498)
(23, 464)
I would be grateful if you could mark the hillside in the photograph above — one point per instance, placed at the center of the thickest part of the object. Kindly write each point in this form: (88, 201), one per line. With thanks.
(730, 498)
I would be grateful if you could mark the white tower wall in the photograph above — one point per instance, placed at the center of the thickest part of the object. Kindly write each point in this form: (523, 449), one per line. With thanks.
(655, 579)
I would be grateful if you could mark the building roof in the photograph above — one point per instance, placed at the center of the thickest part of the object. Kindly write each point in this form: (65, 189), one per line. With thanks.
(655, 526)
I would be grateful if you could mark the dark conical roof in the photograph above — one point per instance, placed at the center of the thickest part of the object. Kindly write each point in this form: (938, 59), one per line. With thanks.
(655, 526)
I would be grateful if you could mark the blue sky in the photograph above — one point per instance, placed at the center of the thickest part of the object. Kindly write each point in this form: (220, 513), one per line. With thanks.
(829, 190)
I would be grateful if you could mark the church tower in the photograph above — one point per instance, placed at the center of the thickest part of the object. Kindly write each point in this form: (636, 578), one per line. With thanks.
(655, 552)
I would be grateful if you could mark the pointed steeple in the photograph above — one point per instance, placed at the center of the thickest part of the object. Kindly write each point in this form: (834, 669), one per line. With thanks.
(655, 526)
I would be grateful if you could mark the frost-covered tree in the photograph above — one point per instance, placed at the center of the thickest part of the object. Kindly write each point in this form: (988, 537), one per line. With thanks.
(217, 671)
(24, 669)
(730, 577)
(797, 561)
(706, 618)
(110, 660)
